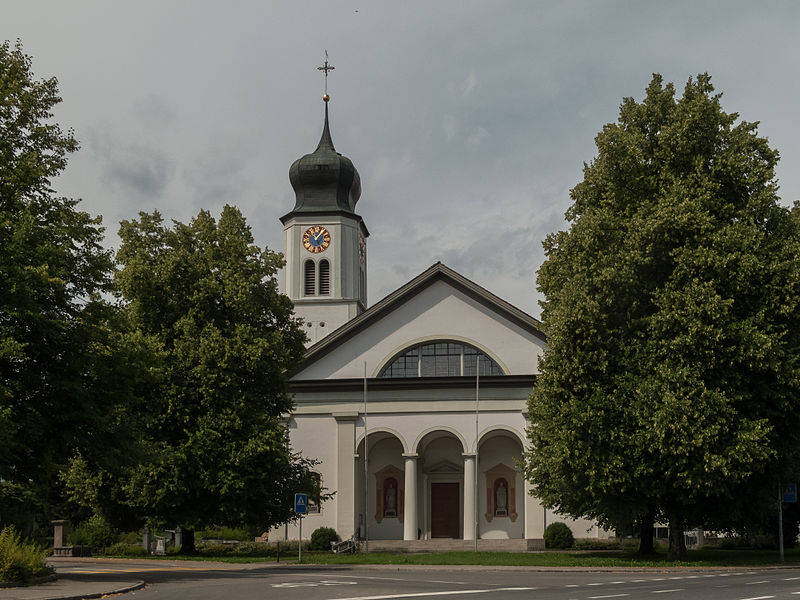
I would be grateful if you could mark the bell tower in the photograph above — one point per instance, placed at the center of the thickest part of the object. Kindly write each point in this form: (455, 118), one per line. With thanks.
(324, 240)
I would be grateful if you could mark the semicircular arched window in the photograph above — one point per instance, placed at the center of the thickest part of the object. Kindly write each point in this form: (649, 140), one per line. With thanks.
(440, 359)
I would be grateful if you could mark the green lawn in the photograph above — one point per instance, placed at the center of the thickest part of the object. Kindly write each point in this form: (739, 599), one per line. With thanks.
(699, 558)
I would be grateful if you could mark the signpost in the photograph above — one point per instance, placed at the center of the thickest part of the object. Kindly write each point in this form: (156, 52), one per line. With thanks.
(790, 493)
(300, 508)
(786, 493)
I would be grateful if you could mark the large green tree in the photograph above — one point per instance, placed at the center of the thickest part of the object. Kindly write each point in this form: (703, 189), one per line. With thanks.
(53, 334)
(205, 302)
(671, 386)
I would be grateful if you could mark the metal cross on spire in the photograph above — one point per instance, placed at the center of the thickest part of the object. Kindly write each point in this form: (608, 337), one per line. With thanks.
(325, 68)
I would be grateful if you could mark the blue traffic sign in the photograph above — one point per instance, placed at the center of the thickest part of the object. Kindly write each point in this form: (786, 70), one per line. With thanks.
(790, 492)
(301, 503)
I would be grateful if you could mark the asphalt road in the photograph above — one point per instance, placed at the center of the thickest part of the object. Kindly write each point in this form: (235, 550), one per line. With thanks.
(198, 581)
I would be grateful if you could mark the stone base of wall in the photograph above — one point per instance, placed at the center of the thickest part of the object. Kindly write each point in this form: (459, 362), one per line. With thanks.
(72, 551)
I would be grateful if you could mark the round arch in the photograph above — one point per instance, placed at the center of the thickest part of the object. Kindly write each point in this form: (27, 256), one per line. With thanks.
(428, 339)
(438, 428)
(385, 430)
(494, 429)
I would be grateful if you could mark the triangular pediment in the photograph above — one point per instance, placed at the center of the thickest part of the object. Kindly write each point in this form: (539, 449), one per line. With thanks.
(438, 304)
(445, 467)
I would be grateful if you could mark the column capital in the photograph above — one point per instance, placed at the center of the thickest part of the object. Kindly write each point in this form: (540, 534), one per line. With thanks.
(410, 455)
(469, 454)
(346, 417)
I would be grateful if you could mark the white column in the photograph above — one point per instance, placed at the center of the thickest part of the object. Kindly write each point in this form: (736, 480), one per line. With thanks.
(410, 498)
(469, 496)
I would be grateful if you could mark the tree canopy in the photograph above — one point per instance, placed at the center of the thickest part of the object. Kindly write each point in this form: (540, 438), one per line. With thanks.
(52, 319)
(670, 386)
(203, 301)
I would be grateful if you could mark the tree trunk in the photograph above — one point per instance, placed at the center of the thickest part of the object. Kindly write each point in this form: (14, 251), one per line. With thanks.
(646, 524)
(187, 545)
(677, 543)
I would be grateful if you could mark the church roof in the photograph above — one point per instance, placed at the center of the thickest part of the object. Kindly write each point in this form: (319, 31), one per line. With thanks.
(435, 273)
(324, 181)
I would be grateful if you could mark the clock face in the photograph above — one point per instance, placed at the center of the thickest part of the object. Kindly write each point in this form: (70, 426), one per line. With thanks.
(316, 239)
(362, 250)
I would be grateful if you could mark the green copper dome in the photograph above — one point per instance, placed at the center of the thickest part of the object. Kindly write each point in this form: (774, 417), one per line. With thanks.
(324, 180)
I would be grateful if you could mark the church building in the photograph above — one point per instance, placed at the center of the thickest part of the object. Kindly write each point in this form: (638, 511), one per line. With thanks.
(416, 406)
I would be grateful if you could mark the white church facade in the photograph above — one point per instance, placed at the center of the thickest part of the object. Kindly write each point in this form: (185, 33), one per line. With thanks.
(428, 387)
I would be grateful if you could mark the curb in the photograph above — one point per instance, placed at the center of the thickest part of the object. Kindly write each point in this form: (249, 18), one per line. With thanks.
(128, 588)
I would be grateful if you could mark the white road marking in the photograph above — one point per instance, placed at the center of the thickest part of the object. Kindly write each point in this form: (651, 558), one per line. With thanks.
(610, 596)
(324, 582)
(758, 598)
(756, 582)
(791, 578)
(668, 591)
(447, 593)
(406, 579)
(638, 580)
(594, 583)
(572, 585)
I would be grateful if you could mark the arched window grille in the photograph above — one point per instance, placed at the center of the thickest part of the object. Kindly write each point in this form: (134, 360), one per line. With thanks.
(311, 278)
(440, 359)
(324, 278)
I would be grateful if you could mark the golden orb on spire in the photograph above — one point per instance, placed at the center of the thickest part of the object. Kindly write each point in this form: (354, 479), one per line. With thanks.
(325, 97)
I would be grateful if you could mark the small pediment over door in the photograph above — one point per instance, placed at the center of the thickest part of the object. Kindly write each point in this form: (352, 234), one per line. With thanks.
(445, 467)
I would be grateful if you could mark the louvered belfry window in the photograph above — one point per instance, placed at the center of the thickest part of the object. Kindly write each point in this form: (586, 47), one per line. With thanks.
(324, 278)
(311, 278)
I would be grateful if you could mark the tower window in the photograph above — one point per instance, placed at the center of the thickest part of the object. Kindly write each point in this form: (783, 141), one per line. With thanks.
(311, 278)
(324, 278)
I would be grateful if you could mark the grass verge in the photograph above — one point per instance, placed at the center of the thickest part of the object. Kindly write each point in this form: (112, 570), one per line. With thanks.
(697, 558)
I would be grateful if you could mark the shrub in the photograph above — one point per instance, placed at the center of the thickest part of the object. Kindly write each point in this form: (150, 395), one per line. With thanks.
(558, 535)
(321, 538)
(20, 561)
(224, 533)
(254, 549)
(94, 532)
(125, 549)
(597, 544)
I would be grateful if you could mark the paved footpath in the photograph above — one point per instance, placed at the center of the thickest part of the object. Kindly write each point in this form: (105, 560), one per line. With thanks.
(80, 578)
(71, 588)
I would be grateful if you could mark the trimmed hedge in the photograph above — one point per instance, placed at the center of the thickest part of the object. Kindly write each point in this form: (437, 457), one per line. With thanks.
(558, 535)
(321, 538)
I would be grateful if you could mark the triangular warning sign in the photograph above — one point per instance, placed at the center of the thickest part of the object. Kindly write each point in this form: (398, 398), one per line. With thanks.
(301, 501)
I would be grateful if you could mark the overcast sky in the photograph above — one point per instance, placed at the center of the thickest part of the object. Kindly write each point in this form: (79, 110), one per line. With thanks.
(469, 122)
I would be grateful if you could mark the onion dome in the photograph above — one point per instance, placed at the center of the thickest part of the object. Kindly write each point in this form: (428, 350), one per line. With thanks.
(324, 180)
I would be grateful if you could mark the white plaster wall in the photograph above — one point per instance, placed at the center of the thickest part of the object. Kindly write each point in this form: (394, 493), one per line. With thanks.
(437, 312)
(410, 428)
(315, 437)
